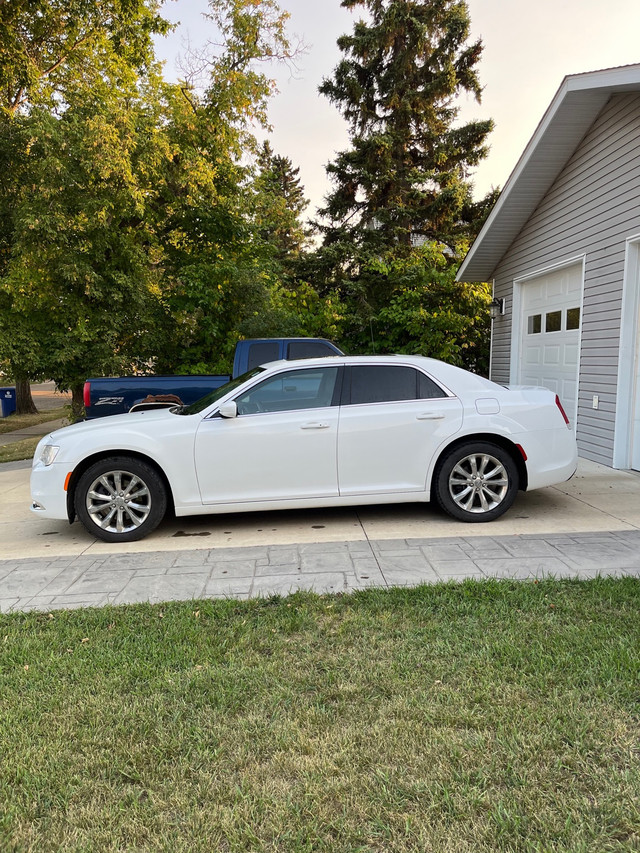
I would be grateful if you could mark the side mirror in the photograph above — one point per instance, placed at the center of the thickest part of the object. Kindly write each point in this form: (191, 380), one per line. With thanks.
(229, 410)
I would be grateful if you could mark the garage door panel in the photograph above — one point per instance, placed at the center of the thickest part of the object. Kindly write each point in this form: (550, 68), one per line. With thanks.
(551, 355)
(556, 288)
(568, 390)
(533, 356)
(571, 355)
(551, 383)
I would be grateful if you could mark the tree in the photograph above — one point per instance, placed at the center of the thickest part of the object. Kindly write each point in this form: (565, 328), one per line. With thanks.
(51, 53)
(401, 210)
(48, 46)
(221, 278)
(81, 284)
(406, 176)
(280, 203)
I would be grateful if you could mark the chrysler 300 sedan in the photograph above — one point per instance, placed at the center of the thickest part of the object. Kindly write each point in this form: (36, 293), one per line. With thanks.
(314, 433)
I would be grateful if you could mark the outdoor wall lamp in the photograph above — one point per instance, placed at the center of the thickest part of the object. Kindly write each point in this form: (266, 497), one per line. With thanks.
(496, 308)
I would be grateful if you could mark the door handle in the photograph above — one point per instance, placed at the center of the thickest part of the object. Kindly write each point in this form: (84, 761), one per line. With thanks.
(430, 416)
(315, 425)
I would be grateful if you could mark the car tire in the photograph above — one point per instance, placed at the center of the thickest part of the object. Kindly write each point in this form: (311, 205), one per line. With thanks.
(476, 481)
(120, 499)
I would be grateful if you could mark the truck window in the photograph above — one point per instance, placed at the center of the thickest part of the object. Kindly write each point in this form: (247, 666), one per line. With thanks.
(262, 352)
(309, 349)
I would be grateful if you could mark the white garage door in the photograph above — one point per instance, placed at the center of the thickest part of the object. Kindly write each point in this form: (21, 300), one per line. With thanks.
(550, 349)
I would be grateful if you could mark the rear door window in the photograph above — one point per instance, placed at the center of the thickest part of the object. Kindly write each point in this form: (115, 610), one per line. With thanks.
(382, 383)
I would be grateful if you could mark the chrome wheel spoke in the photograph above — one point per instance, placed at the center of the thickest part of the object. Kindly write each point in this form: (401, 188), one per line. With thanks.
(460, 472)
(106, 485)
(106, 521)
(468, 503)
(136, 520)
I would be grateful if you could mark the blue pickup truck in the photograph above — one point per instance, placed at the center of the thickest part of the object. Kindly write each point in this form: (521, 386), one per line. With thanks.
(115, 395)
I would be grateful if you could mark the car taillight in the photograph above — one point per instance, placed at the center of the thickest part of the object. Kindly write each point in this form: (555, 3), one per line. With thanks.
(86, 394)
(562, 411)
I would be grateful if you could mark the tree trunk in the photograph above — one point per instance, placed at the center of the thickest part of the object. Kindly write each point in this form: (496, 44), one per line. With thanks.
(24, 400)
(77, 402)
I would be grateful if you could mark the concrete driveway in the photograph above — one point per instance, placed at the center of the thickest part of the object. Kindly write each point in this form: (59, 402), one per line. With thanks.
(597, 499)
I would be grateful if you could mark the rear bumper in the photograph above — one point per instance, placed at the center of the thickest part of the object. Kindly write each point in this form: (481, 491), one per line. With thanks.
(552, 456)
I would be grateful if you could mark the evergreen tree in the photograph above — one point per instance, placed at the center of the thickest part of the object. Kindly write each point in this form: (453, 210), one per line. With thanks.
(401, 210)
(280, 203)
(406, 176)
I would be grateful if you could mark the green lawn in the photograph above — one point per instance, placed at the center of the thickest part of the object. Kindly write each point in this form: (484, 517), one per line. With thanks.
(492, 716)
(16, 422)
(19, 450)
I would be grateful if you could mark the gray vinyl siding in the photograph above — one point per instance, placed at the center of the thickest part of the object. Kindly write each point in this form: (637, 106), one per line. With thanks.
(591, 209)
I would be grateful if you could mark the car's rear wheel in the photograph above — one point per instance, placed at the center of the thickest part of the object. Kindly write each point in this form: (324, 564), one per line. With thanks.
(477, 481)
(120, 499)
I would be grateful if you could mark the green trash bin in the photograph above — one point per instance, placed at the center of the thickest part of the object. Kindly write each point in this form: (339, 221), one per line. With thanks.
(7, 401)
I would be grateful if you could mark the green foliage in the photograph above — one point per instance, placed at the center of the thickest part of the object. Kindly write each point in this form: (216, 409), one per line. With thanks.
(420, 309)
(128, 236)
(134, 235)
(51, 47)
(430, 313)
(252, 31)
(80, 282)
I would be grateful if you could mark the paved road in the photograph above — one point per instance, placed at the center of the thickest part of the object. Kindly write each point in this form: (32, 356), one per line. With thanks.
(93, 581)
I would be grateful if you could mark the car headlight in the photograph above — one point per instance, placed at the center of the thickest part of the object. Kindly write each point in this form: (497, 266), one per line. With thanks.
(49, 453)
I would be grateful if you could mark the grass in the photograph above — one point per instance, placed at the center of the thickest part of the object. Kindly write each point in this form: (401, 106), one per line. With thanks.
(24, 449)
(19, 450)
(17, 422)
(493, 716)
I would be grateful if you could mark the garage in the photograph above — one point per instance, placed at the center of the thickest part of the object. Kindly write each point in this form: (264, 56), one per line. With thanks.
(549, 348)
(561, 249)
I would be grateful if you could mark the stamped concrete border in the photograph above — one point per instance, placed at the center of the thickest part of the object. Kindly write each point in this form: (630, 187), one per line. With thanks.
(333, 567)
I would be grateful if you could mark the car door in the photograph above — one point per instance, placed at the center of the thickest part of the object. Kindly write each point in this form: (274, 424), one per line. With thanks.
(282, 444)
(392, 421)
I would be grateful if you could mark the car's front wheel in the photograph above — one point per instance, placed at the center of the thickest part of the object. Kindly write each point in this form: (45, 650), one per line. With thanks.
(120, 499)
(477, 481)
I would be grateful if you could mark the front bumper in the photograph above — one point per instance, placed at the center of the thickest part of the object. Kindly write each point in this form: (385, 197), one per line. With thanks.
(48, 496)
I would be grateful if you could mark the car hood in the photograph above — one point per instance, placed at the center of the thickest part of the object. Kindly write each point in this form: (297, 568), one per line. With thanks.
(137, 420)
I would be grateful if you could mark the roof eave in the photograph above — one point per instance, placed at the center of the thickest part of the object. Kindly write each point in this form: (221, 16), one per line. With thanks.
(573, 110)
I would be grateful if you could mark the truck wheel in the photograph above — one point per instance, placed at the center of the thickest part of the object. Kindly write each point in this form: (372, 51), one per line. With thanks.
(120, 499)
(477, 481)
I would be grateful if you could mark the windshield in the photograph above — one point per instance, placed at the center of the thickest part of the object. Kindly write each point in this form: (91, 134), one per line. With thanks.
(217, 393)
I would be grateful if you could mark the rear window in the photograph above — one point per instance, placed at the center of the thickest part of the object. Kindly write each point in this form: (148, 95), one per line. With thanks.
(309, 349)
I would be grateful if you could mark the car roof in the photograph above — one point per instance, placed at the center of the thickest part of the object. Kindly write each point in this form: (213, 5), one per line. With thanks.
(439, 369)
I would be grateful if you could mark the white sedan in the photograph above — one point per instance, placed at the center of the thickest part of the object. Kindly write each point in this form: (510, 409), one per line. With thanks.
(318, 432)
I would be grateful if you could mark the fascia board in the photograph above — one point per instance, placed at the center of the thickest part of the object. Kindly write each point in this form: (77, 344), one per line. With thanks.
(572, 111)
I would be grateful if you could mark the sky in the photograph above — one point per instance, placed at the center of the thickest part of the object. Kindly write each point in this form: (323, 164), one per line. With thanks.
(529, 47)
